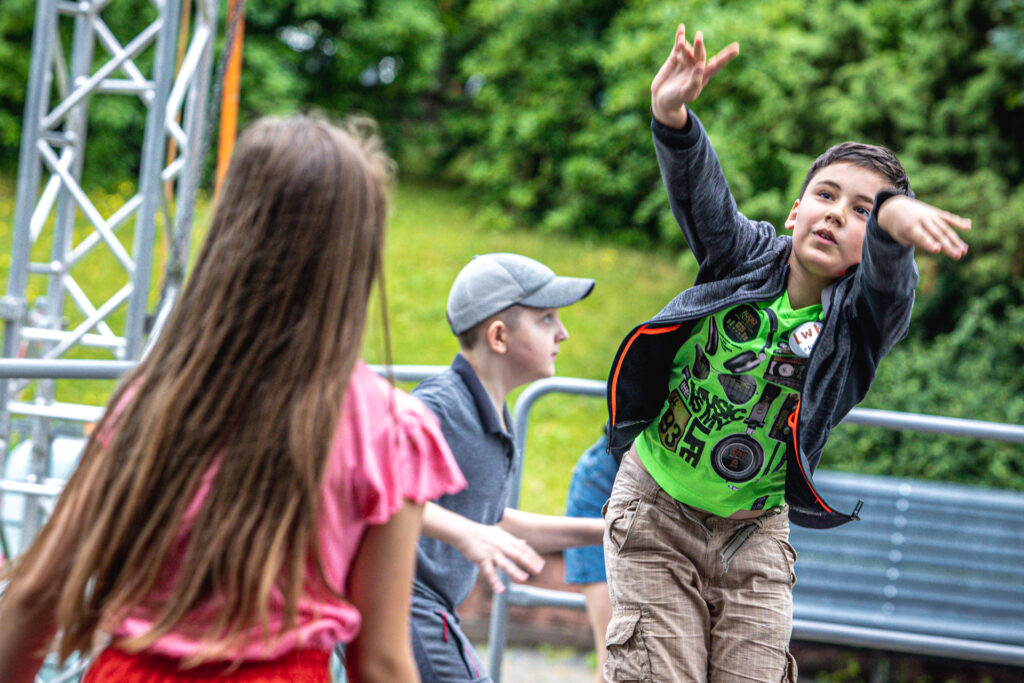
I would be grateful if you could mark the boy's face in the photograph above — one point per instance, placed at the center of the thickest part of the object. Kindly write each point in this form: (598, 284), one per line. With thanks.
(533, 344)
(829, 220)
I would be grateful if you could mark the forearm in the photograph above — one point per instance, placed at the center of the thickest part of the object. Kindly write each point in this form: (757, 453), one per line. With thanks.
(382, 667)
(444, 525)
(700, 199)
(886, 265)
(549, 533)
(670, 118)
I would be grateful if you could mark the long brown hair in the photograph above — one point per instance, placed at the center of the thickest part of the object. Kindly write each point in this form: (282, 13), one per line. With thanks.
(243, 387)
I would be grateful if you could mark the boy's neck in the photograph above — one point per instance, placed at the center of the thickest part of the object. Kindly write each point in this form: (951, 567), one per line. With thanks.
(803, 288)
(491, 370)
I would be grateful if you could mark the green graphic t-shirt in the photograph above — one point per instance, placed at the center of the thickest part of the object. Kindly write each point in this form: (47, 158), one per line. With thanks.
(720, 441)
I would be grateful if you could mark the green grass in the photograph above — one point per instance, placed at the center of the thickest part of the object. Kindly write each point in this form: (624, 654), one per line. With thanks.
(433, 232)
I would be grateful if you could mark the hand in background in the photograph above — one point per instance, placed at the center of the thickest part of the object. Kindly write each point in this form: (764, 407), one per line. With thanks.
(914, 223)
(683, 75)
(491, 547)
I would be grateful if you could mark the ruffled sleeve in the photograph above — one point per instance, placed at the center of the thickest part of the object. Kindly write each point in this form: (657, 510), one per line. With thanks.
(409, 460)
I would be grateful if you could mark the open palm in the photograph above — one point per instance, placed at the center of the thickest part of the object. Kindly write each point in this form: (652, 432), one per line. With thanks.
(683, 75)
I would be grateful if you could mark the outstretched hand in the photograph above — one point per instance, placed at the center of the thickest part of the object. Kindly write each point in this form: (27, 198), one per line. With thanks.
(914, 223)
(490, 547)
(683, 75)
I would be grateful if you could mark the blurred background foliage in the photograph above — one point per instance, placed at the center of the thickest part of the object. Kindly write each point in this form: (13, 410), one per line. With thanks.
(541, 110)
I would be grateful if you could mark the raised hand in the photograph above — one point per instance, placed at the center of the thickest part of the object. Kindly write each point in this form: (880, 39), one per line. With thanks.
(914, 223)
(683, 75)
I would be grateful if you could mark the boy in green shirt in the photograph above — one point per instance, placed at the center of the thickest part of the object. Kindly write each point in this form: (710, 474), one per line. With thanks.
(720, 406)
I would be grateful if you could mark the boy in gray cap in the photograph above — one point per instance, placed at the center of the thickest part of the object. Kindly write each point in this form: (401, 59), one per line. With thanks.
(504, 310)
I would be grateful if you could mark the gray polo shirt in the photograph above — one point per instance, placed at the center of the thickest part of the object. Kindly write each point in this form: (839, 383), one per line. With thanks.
(489, 458)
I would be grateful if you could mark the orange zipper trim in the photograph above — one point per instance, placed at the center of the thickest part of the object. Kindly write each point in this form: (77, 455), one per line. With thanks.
(643, 329)
(791, 421)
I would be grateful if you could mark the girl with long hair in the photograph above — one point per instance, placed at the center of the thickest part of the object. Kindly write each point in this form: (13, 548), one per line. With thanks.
(253, 494)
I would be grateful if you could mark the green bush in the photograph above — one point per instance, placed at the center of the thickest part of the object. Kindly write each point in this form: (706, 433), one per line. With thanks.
(973, 372)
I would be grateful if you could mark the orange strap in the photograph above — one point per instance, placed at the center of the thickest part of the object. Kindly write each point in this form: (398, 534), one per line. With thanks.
(230, 95)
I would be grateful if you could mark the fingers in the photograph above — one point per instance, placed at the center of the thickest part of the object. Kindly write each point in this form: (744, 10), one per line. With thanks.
(679, 47)
(526, 557)
(912, 222)
(955, 221)
(515, 558)
(681, 78)
(935, 233)
(491, 576)
(696, 54)
(510, 568)
(700, 54)
(724, 56)
(945, 237)
(676, 56)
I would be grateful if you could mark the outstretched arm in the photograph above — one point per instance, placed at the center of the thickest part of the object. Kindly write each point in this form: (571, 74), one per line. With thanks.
(886, 280)
(486, 545)
(717, 233)
(548, 533)
(683, 75)
(914, 223)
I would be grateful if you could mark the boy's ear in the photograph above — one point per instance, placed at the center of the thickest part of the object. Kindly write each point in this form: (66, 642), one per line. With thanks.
(791, 219)
(496, 336)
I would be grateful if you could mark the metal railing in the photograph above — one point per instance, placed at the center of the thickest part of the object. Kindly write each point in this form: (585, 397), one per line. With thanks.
(517, 594)
(530, 596)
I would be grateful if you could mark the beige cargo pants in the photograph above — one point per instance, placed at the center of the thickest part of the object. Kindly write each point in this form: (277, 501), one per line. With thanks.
(695, 597)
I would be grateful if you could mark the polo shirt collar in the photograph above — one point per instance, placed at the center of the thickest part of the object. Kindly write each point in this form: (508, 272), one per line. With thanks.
(488, 417)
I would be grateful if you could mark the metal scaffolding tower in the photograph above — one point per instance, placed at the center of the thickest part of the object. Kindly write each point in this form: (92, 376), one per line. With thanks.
(78, 57)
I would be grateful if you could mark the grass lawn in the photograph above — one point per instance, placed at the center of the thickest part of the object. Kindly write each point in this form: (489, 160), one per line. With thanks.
(433, 232)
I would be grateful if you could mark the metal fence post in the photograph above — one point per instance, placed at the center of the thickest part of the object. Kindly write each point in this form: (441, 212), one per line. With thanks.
(497, 637)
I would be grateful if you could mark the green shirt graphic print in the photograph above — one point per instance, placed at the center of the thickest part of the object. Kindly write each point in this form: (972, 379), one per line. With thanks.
(720, 441)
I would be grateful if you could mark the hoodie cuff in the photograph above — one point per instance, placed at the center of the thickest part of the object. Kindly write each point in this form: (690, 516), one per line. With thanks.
(873, 225)
(888, 264)
(678, 138)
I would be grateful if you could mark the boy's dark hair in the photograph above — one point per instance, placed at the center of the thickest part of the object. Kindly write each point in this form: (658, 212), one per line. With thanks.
(881, 160)
(471, 337)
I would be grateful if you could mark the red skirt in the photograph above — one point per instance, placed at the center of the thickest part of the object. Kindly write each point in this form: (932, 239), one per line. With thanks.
(300, 666)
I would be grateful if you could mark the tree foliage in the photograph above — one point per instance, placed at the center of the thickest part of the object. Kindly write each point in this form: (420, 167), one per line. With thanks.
(115, 123)
(16, 18)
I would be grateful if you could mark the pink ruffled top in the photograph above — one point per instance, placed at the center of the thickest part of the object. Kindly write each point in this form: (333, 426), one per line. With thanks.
(387, 448)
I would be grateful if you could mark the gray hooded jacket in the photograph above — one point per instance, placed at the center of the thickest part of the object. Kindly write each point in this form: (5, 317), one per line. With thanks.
(866, 312)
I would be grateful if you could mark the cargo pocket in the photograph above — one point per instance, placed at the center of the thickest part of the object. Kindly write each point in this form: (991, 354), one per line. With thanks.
(628, 659)
(620, 523)
(789, 558)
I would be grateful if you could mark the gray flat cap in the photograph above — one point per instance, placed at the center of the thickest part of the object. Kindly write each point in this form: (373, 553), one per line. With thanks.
(492, 282)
